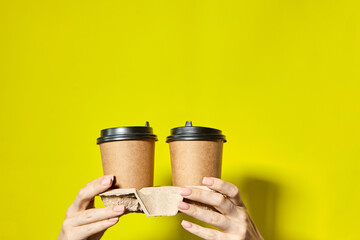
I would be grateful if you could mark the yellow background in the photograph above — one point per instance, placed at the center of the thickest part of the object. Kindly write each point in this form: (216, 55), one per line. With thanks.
(280, 78)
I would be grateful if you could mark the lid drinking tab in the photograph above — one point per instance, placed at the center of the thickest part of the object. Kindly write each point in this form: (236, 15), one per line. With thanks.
(127, 133)
(194, 133)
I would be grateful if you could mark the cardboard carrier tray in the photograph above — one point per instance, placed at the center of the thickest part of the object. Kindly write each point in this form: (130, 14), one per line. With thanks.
(153, 201)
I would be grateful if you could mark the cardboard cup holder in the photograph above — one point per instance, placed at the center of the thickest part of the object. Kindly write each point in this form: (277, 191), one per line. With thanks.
(153, 201)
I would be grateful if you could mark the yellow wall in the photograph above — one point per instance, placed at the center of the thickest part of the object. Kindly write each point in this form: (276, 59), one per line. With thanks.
(280, 78)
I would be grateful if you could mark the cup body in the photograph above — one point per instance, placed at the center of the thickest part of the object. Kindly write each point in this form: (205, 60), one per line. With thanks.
(131, 161)
(191, 161)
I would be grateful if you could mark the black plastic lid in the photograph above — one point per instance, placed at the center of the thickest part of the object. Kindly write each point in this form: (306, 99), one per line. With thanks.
(126, 133)
(190, 133)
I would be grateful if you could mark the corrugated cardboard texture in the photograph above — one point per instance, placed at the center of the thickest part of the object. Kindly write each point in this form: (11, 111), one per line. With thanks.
(191, 161)
(153, 201)
(132, 162)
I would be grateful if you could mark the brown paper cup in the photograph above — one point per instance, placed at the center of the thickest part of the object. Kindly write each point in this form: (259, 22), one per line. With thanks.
(191, 161)
(131, 161)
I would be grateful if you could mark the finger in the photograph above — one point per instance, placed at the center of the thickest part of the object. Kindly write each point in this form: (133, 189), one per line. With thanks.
(87, 193)
(97, 214)
(85, 231)
(205, 233)
(217, 200)
(221, 186)
(213, 218)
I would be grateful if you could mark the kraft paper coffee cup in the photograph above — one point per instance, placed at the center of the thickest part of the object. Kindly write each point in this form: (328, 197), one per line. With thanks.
(195, 152)
(128, 153)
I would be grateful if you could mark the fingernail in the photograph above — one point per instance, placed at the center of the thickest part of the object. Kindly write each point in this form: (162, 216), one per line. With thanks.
(185, 191)
(119, 208)
(115, 219)
(107, 180)
(208, 181)
(186, 224)
(183, 206)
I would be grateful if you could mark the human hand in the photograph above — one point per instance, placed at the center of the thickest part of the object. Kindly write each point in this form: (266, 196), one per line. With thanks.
(232, 220)
(83, 220)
